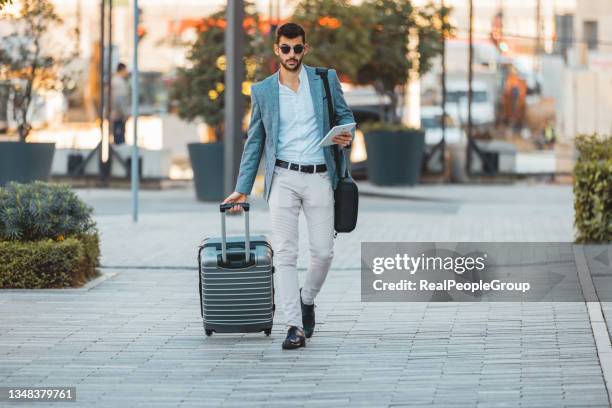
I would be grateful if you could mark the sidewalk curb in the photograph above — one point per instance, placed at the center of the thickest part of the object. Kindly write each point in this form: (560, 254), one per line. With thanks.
(88, 286)
(598, 324)
(369, 192)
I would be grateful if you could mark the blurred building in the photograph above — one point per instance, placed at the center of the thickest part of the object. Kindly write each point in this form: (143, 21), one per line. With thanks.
(587, 82)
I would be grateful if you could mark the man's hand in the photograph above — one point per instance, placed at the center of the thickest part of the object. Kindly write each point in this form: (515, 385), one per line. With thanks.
(235, 197)
(343, 139)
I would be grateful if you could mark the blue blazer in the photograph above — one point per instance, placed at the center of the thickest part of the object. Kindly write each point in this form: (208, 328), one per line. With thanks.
(265, 122)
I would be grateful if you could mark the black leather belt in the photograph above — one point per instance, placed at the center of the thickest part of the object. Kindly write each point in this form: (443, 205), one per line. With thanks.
(304, 168)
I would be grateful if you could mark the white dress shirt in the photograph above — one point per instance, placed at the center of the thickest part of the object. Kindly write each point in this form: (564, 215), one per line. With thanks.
(298, 134)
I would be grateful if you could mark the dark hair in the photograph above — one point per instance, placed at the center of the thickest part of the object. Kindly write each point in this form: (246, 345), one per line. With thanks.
(121, 66)
(290, 30)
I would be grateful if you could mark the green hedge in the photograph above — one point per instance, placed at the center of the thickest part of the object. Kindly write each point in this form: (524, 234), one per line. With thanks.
(593, 189)
(48, 263)
(48, 238)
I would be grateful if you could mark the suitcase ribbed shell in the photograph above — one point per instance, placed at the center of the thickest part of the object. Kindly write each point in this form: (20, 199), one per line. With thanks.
(238, 298)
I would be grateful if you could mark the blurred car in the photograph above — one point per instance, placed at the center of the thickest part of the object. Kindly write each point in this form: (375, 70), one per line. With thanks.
(483, 106)
(431, 122)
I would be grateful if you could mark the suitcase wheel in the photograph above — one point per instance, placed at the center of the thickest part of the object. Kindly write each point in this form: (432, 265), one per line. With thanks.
(268, 331)
(208, 332)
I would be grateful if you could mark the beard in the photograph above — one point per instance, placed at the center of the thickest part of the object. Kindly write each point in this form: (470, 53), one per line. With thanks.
(296, 67)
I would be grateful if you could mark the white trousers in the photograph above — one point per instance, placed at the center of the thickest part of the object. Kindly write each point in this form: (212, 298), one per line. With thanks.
(290, 192)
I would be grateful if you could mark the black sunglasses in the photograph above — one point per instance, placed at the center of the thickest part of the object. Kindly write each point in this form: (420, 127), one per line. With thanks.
(285, 49)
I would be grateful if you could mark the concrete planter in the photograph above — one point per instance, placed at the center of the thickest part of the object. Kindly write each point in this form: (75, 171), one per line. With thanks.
(207, 164)
(395, 157)
(25, 162)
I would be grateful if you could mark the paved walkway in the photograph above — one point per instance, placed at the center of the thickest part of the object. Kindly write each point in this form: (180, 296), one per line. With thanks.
(136, 339)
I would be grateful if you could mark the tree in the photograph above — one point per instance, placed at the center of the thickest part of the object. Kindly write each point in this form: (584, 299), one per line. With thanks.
(334, 30)
(28, 61)
(435, 30)
(392, 25)
(199, 88)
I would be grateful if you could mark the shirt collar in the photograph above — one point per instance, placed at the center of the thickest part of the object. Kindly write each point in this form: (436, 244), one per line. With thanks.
(303, 77)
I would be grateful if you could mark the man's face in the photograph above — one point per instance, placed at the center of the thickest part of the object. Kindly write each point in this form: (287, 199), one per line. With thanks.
(291, 60)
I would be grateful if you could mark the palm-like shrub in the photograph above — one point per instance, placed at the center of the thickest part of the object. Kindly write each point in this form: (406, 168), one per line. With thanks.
(38, 210)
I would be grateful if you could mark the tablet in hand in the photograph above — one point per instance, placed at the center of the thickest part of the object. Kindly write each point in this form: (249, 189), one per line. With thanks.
(336, 130)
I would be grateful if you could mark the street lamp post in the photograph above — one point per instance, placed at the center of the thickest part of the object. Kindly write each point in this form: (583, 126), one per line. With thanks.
(471, 143)
(103, 153)
(109, 88)
(134, 165)
(443, 80)
(234, 106)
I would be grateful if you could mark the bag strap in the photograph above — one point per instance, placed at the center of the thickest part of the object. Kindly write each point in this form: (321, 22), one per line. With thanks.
(322, 72)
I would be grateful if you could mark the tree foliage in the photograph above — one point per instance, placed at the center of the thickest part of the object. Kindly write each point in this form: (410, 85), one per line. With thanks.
(29, 61)
(393, 24)
(370, 43)
(334, 31)
(199, 88)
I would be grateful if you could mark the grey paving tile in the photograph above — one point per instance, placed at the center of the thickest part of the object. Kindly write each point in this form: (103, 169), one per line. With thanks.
(137, 339)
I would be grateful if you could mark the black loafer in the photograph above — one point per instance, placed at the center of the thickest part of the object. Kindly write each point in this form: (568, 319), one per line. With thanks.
(308, 317)
(295, 339)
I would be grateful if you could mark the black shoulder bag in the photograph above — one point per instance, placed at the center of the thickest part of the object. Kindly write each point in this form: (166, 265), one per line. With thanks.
(346, 195)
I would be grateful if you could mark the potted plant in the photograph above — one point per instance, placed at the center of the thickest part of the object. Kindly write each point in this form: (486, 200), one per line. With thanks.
(47, 237)
(197, 93)
(395, 151)
(28, 67)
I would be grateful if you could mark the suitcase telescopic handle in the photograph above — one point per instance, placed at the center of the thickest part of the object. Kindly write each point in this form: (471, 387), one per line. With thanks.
(223, 207)
(247, 239)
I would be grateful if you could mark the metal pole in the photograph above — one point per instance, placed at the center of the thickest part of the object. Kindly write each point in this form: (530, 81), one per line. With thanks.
(443, 124)
(109, 63)
(538, 46)
(470, 77)
(135, 175)
(234, 106)
(101, 161)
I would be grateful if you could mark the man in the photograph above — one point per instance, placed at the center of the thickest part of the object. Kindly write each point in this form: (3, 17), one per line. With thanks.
(120, 112)
(288, 119)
